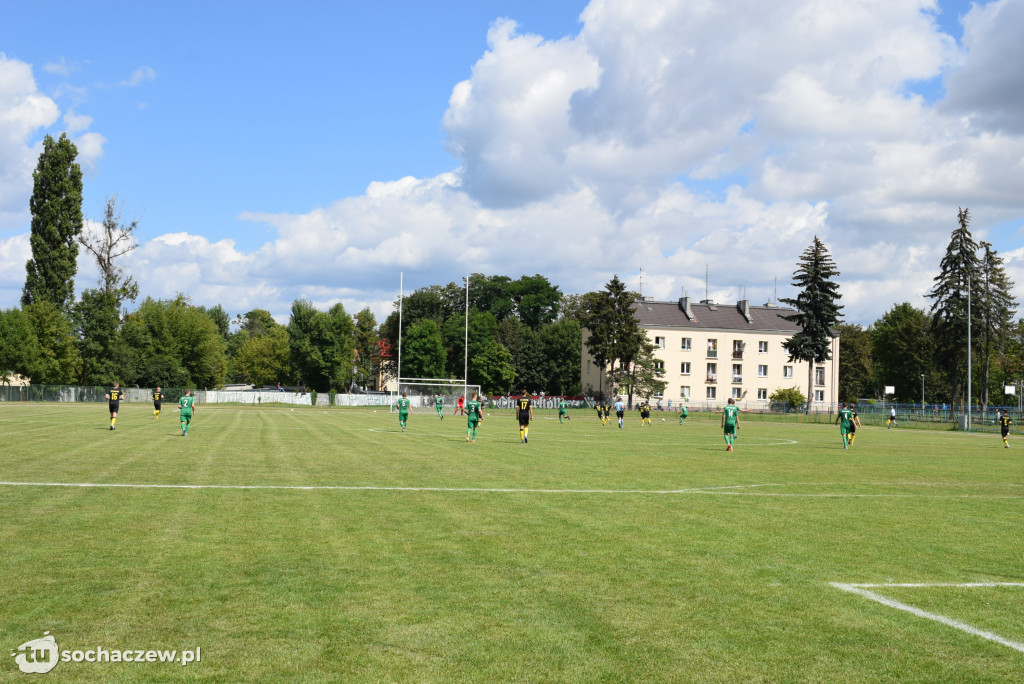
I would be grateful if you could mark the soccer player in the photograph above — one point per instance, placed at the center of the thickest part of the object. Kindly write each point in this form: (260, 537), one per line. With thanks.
(854, 421)
(404, 408)
(474, 417)
(599, 407)
(439, 405)
(114, 397)
(460, 406)
(186, 405)
(892, 418)
(645, 413)
(563, 409)
(1004, 427)
(683, 415)
(620, 410)
(730, 422)
(158, 397)
(524, 411)
(843, 420)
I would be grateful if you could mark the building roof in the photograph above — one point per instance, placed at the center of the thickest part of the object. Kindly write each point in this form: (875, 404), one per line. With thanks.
(703, 315)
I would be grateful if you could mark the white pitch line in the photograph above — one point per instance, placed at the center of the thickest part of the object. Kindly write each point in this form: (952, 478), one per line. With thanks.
(926, 585)
(913, 610)
(370, 487)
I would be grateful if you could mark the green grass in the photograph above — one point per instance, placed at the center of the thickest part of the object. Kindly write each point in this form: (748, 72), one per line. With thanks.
(722, 576)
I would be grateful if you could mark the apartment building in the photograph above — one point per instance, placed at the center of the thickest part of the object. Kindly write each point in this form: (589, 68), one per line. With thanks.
(711, 352)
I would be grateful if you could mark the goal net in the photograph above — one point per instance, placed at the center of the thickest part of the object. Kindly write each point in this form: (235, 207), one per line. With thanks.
(422, 393)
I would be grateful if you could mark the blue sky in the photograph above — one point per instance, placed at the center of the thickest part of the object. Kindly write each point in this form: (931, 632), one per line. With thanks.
(319, 149)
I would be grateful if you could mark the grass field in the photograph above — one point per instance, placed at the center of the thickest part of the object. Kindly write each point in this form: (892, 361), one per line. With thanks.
(313, 545)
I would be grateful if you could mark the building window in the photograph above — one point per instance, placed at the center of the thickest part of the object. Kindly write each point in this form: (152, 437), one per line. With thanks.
(687, 342)
(659, 342)
(737, 372)
(819, 395)
(684, 392)
(712, 349)
(787, 371)
(737, 393)
(712, 372)
(710, 393)
(737, 349)
(762, 393)
(658, 395)
(762, 347)
(762, 371)
(659, 366)
(819, 376)
(684, 368)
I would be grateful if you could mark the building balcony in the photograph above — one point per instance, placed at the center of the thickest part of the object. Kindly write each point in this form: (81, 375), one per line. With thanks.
(737, 379)
(712, 353)
(737, 353)
(712, 378)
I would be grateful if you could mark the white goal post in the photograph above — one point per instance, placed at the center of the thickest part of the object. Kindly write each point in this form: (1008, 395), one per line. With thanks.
(423, 391)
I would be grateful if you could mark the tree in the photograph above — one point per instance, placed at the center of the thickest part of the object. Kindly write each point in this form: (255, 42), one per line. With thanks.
(423, 353)
(96, 319)
(58, 357)
(524, 346)
(856, 371)
(366, 348)
(562, 343)
(535, 300)
(492, 369)
(817, 310)
(645, 374)
(56, 207)
(19, 348)
(482, 329)
(263, 360)
(491, 294)
(220, 318)
(114, 241)
(321, 346)
(957, 278)
(787, 399)
(996, 307)
(903, 351)
(615, 332)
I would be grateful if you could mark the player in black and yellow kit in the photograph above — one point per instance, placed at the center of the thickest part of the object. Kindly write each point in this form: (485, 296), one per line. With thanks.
(1004, 427)
(607, 412)
(114, 397)
(598, 407)
(524, 410)
(158, 396)
(645, 413)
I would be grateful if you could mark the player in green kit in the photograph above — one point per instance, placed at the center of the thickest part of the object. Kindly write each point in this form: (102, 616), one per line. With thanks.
(474, 417)
(404, 408)
(843, 419)
(186, 405)
(683, 415)
(730, 422)
(563, 409)
(439, 405)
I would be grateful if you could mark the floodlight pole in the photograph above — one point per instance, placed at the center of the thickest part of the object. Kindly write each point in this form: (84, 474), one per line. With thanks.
(465, 347)
(401, 292)
(968, 351)
(922, 394)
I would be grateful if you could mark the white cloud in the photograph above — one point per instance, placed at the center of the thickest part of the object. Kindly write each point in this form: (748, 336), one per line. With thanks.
(139, 76)
(76, 122)
(90, 149)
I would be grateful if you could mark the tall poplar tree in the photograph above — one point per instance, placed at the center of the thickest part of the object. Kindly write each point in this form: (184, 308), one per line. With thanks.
(817, 310)
(56, 208)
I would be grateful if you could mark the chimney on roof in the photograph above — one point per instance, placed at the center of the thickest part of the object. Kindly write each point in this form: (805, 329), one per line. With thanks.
(684, 306)
(744, 308)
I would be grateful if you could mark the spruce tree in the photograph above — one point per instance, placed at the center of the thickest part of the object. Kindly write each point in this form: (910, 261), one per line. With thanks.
(957, 280)
(817, 310)
(56, 208)
(996, 307)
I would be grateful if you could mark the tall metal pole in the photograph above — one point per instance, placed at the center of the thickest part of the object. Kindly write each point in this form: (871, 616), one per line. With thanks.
(401, 292)
(922, 394)
(968, 351)
(465, 348)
